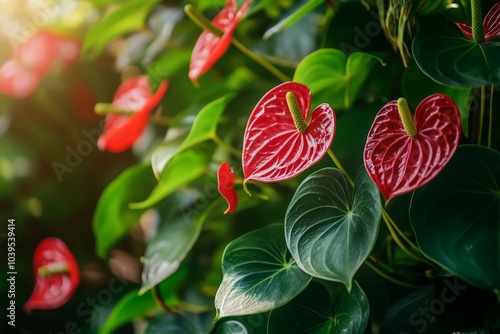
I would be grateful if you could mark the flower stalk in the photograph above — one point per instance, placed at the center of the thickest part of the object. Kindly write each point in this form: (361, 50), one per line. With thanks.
(477, 21)
(406, 117)
(294, 108)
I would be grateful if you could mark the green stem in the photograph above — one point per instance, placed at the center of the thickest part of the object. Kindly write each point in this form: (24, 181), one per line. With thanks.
(160, 302)
(481, 114)
(202, 22)
(102, 109)
(337, 163)
(389, 219)
(293, 106)
(490, 126)
(52, 269)
(406, 117)
(374, 267)
(477, 21)
(228, 147)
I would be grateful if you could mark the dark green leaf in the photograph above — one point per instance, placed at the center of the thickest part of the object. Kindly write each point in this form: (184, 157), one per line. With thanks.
(130, 16)
(456, 216)
(329, 229)
(178, 231)
(246, 324)
(448, 57)
(183, 323)
(113, 218)
(314, 311)
(259, 274)
(334, 78)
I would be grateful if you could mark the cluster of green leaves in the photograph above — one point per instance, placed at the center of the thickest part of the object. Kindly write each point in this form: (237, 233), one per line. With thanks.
(303, 255)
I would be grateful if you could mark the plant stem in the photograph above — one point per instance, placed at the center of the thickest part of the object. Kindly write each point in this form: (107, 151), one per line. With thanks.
(490, 126)
(103, 109)
(477, 21)
(293, 106)
(160, 302)
(374, 267)
(202, 22)
(228, 147)
(391, 221)
(481, 114)
(337, 163)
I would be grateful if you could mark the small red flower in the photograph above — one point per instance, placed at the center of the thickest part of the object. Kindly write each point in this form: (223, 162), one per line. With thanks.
(491, 24)
(122, 131)
(29, 62)
(56, 275)
(225, 185)
(209, 47)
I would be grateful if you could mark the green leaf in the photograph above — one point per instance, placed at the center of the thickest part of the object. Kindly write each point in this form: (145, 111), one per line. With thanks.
(295, 16)
(417, 86)
(130, 307)
(456, 216)
(113, 218)
(183, 323)
(334, 78)
(448, 57)
(315, 311)
(259, 274)
(178, 231)
(130, 16)
(246, 324)
(329, 229)
(179, 171)
(205, 124)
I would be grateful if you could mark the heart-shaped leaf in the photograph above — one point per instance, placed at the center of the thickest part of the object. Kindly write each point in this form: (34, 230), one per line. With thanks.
(399, 163)
(56, 275)
(259, 274)
(314, 311)
(456, 216)
(273, 148)
(329, 229)
(449, 57)
(225, 185)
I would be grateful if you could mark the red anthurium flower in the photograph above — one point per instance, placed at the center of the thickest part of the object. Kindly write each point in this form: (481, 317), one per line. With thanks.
(491, 24)
(402, 153)
(209, 47)
(29, 62)
(56, 275)
(281, 138)
(225, 185)
(122, 131)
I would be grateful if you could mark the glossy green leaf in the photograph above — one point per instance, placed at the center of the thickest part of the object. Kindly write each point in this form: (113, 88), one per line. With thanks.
(205, 124)
(334, 78)
(417, 86)
(113, 218)
(129, 16)
(259, 274)
(246, 324)
(179, 171)
(130, 307)
(456, 216)
(183, 323)
(177, 232)
(293, 17)
(331, 229)
(317, 311)
(448, 57)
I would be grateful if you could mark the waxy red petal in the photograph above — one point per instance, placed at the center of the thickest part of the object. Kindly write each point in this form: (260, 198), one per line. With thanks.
(225, 185)
(54, 290)
(273, 149)
(122, 131)
(29, 62)
(398, 163)
(491, 24)
(209, 47)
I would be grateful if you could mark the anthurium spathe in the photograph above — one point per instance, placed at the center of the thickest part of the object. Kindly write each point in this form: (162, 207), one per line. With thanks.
(135, 96)
(29, 62)
(282, 138)
(56, 275)
(402, 153)
(225, 185)
(491, 24)
(209, 47)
